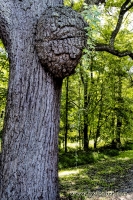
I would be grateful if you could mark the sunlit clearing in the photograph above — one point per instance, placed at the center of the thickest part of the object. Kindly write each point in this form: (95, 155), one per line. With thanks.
(69, 172)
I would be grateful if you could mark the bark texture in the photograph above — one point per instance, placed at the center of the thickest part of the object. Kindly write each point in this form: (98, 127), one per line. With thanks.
(29, 168)
(60, 39)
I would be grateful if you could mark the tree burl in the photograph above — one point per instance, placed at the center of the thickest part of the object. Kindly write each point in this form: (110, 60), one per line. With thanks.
(60, 38)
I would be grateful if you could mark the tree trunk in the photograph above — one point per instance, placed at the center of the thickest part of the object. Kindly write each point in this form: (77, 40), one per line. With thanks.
(79, 115)
(66, 116)
(30, 140)
(96, 137)
(86, 102)
(118, 132)
(118, 113)
(99, 117)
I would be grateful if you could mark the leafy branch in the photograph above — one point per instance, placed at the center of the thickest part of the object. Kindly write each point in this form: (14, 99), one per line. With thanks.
(113, 51)
(127, 5)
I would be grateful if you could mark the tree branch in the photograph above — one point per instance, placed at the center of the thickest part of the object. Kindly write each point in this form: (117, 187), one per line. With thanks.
(107, 48)
(97, 2)
(123, 10)
(110, 47)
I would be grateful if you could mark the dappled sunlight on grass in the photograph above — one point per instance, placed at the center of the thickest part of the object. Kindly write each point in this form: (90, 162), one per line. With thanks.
(69, 172)
(102, 175)
(126, 158)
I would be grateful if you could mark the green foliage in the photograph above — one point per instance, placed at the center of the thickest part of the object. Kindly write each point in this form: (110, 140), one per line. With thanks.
(114, 3)
(4, 72)
(91, 15)
(75, 4)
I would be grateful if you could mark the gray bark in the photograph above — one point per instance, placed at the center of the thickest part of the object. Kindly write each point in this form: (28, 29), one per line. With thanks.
(29, 149)
(29, 167)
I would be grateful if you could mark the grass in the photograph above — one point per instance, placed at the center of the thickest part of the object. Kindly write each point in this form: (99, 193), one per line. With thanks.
(79, 157)
(103, 175)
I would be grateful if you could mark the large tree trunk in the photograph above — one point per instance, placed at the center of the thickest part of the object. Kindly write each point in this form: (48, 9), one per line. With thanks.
(29, 168)
(30, 141)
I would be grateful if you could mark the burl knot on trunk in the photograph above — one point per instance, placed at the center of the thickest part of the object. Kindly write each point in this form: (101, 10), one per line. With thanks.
(60, 38)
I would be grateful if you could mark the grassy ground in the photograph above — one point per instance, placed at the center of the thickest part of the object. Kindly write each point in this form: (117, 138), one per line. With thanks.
(104, 175)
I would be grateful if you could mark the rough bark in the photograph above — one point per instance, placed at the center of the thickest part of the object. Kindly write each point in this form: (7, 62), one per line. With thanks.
(30, 142)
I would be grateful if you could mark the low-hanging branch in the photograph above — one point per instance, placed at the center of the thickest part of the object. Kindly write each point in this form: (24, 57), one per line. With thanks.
(128, 4)
(123, 10)
(113, 51)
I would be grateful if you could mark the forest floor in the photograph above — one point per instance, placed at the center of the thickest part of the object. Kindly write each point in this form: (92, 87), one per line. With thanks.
(108, 179)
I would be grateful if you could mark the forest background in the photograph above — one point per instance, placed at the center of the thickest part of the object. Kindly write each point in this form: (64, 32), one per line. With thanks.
(97, 101)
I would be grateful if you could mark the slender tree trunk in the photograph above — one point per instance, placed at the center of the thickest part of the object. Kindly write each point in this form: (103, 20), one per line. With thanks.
(118, 114)
(85, 130)
(79, 114)
(84, 79)
(66, 117)
(113, 130)
(113, 117)
(99, 118)
(96, 137)
(118, 131)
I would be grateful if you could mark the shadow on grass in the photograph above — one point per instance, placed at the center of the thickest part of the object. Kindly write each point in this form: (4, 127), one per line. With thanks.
(107, 175)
